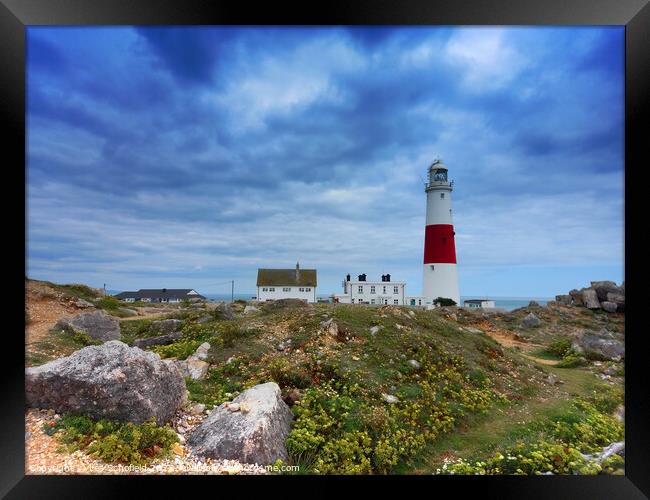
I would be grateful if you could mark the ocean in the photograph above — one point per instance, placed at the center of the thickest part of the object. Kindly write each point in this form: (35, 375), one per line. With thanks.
(507, 303)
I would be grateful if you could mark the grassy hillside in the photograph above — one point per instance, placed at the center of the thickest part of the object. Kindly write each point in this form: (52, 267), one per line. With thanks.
(461, 394)
(399, 390)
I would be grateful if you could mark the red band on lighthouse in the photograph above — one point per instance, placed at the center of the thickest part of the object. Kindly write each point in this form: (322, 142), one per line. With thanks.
(439, 246)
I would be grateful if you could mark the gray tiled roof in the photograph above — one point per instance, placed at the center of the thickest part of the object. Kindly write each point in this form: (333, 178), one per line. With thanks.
(159, 293)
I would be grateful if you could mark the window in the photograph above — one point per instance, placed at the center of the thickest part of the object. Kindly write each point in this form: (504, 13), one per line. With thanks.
(372, 301)
(385, 301)
(265, 289)
(372, 289)
(395, 301)
(301, 289)
(286, 289)
(360, 288)
(271, 289)
(419, 302)
(353, 301)
(384, 289)
(442, 196)
(307, 289)
(395, 289)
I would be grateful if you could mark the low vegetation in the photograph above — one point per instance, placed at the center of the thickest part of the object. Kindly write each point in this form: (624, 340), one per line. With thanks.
(394, 389)
(113, 442)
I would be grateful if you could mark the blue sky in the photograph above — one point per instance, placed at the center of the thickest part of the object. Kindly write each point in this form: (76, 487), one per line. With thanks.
(188, 156)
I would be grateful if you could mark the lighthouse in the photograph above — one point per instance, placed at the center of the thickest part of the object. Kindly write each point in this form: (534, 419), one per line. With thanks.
(440, 278)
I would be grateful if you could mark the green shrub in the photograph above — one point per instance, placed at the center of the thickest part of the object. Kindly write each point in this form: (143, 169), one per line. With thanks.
(560, 348)
(181, 349)
(285, 374)
(442, 301)
(108, 303)
(343, 427)
(111, 441)
(560, 449)
(522, 459)
(572, 361)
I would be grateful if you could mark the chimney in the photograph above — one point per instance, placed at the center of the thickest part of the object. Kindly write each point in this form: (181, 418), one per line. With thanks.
(297, 271)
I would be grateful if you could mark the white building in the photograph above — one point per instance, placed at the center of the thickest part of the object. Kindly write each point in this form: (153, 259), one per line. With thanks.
(274, 284)
(419, 300)
(479, 304)
(362, 291)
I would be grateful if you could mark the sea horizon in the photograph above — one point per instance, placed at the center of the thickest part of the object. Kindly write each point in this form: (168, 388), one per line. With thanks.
(508, 303)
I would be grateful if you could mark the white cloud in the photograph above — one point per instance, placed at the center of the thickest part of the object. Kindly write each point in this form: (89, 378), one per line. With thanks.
(487, 56)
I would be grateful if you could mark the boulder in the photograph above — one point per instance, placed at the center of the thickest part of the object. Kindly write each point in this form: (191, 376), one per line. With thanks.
(332, 328)
(83, 304)
(533, 303)
(224, 311)
(192, 368)
(414, 363)
(602, 288)
(618, 299)
(166, 325)
(390, 399)
(254, 434)
(204, 319)
(619, 413)
(576, 295)
(590, 298)
(201, 352)
(608, 348)
(96, 324)
(565, 300)
(610, 307)
(375, 329)
(530, 321)
(159, 340)
(112, 381)
(250, 310)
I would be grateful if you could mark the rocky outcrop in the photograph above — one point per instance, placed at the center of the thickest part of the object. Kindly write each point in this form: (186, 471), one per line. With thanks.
(204, 319)
(96, 324)
(251, 429)
(610, 307)
(565, 300)
(112, 381)
(618, 299)
(590, 298)
(576, 295)
(600, 345)
(224, 311)
(201, 352)
(250, 310)
(602, 288)
(600, 295)
(160, 340)
(192, 368)
(195, 366)
(530, 321)
(166, 326)
(332, 328)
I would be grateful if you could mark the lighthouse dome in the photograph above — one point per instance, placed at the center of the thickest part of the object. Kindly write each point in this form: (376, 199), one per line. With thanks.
(437, 165)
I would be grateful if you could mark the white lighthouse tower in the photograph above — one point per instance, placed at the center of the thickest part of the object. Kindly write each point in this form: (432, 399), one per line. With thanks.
(440, 278)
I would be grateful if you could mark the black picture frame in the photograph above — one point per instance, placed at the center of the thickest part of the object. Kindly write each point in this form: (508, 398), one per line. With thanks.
(16, 15)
